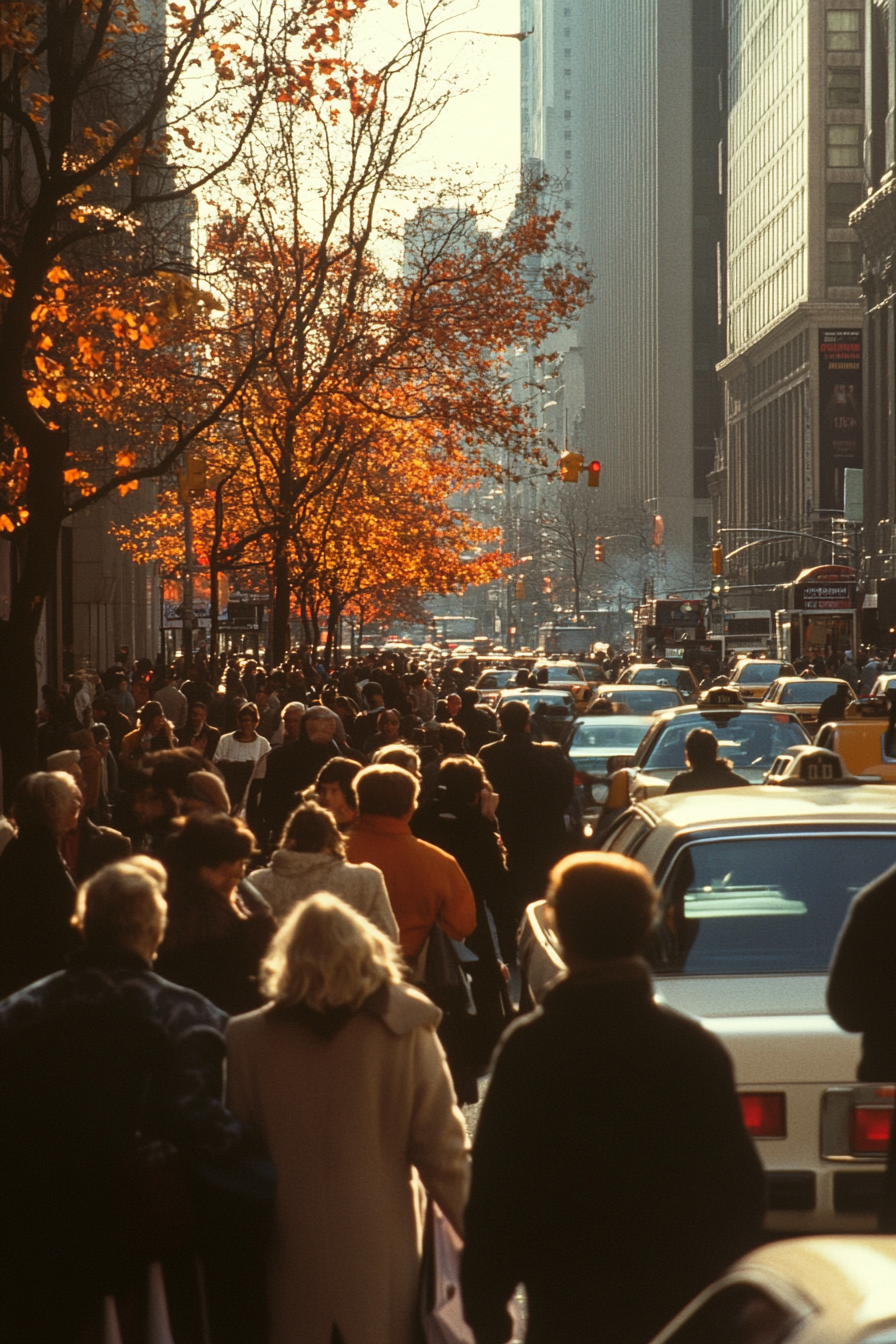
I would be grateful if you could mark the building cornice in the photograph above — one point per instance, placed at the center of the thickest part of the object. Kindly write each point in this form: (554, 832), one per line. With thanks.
(821, 313)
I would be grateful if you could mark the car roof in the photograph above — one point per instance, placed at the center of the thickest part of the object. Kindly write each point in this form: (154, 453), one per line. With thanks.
(812, 681)
(761, 803)
(851, 1280)
(617, 719)
(723, 711)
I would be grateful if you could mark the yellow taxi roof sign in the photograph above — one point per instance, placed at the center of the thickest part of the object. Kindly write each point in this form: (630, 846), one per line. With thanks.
(808, 765)
(721, 696)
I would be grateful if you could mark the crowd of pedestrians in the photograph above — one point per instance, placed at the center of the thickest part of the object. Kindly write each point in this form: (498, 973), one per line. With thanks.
(315, 878)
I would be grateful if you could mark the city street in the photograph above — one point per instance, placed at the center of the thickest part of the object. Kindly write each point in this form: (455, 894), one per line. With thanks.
(448, 672)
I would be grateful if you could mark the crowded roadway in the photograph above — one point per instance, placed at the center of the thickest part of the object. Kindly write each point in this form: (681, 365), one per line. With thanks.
(494, 996)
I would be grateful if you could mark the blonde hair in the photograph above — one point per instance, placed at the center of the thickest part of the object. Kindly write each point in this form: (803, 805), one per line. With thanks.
(328, 956)
(122, 903)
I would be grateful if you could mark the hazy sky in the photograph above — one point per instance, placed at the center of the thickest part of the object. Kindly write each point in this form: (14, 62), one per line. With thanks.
(480, 129)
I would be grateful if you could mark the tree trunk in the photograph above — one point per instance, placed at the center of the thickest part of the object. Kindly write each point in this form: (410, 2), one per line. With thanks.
(280, 603)
(18, 670)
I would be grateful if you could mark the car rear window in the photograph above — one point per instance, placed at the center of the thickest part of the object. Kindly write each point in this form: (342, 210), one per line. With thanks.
(764, 905)
(758, 674)
(609, 734)
(642, 700)
(683, 681)
(750, 740)
(810, 692)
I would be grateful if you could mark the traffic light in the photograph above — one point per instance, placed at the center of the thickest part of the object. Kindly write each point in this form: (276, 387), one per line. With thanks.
(570, 465)
(594, 473)
(599, 550)
(546, 586)
(658, 530)
(718, 559)
(192, 481)
(520, 590)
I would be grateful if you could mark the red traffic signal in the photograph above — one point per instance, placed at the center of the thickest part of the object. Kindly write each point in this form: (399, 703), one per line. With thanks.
(599, 550)
(594, 473)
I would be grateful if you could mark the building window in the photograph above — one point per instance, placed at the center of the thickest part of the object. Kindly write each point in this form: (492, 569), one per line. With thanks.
(704, 461)
(567, 116)
(844, 263)
(841, 199)
(568, 72)
(845, 86)
(567, 32)
(567, 135)
(844, 30)
(567, 94)
(568, 154)
(567, 52)
(568, 203)
(844, 146)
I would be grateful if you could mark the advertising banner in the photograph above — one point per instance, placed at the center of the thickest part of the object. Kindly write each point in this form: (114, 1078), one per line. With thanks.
(840, 412)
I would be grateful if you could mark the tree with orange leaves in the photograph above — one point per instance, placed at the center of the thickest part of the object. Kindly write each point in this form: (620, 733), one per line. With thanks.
(113, 115)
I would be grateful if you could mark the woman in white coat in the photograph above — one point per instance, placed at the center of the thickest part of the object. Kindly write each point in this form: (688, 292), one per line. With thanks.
(311, 858)
(343, 1078)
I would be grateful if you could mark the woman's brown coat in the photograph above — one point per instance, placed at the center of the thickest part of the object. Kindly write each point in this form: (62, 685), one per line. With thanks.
(353, 1123)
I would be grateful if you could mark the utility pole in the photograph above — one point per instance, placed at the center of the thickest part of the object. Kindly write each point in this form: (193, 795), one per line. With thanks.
(187, 640)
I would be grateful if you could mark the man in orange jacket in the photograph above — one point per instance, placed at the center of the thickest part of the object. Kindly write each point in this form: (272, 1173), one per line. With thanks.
(426, 886)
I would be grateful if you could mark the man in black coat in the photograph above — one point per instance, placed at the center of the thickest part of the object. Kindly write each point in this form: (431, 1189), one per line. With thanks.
(862, 997)
(534, 783)
(612, 1173)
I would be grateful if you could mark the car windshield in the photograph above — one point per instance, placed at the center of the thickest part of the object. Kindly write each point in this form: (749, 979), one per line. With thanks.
(677, 677)
(643, 700)
(750, 740)
(552, 699)
(608, 734)
(810, 692)
(758, 674)
(497, 678)
(592, 671)
(560, 673)
(763, 905)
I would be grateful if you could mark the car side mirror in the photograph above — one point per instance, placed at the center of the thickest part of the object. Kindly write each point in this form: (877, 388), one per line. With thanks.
(615, 763)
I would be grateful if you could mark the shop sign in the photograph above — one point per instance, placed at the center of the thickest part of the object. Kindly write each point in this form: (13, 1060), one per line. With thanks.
(825, 596)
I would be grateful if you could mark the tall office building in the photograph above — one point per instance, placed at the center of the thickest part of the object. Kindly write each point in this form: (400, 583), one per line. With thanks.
(875, 223)
(793, 372)
(620, 103)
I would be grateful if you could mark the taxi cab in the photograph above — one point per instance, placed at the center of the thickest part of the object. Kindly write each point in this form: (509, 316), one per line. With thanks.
(862, 745)
(566, 675)
(814, 1290)
(750, 736)
(755, 885)
(752, 677)
(804, 696)
(651, 674)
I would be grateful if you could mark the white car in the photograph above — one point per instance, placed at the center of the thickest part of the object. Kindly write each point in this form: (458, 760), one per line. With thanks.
(812, 1290)
(755, 885)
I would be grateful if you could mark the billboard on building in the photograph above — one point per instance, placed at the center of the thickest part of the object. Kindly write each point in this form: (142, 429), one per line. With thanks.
(840, 412)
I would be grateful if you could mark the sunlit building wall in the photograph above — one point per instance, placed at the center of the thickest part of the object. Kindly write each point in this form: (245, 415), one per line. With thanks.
(794, 174)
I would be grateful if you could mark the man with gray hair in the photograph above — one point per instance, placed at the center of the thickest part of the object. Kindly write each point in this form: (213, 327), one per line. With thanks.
(308, 745)
(88, 1054)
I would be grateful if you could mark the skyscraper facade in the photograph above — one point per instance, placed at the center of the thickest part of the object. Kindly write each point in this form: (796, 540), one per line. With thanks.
(620, 104)
(793, 370)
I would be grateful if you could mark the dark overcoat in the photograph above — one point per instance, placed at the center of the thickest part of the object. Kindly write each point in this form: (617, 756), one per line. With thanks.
(612, 1173)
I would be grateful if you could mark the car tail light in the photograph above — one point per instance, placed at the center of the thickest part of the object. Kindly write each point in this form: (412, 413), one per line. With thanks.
(765, 1114)
(869, 1129)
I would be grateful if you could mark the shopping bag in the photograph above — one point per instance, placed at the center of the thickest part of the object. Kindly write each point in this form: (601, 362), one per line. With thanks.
(442, 1306)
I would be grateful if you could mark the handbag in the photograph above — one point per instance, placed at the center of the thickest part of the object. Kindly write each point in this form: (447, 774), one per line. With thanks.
(440, 974)
(441, 1305)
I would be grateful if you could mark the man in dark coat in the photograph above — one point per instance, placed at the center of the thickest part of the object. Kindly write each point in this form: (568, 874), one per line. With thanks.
(87, 1057)
(477, 721)
(534, 783)
(862, 997)
(295, 765)
(612, 1173)
(705, 769)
